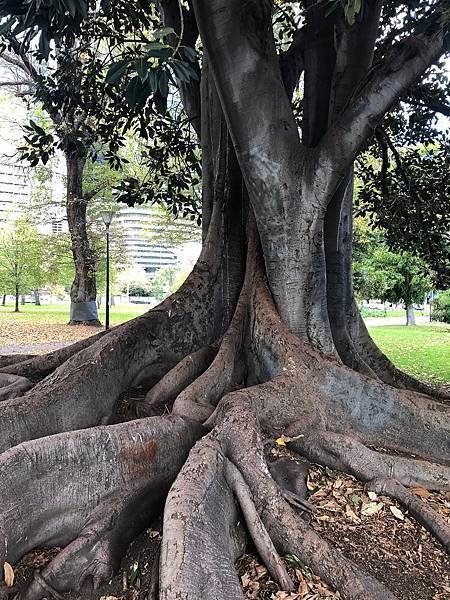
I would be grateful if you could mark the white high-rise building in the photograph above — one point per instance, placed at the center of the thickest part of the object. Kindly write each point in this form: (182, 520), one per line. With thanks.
(137, 225)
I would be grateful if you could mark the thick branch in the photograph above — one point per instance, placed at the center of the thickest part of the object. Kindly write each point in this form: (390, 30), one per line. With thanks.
(402, 66)
(190, 92)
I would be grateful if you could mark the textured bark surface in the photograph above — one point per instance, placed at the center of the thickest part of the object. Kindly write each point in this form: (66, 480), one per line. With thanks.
(263, 339)
(83, 291)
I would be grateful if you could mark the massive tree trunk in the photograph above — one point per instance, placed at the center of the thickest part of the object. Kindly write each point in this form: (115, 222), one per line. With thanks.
(83, 308)
(262, 337)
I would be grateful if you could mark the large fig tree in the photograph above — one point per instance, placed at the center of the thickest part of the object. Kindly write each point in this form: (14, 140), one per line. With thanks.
(263, 338)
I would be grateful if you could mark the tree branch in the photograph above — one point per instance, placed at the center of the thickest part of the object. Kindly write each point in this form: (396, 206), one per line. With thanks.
(26, 65)
(188, 32)
(443, 109)
(292, 62)
(15, 83)
(387, 80)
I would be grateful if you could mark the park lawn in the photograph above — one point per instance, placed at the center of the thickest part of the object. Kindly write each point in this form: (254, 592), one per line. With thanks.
(59, 313)
(422, 351)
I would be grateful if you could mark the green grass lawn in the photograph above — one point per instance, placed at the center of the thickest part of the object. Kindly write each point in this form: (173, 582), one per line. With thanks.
(59, 313)
(422, 351)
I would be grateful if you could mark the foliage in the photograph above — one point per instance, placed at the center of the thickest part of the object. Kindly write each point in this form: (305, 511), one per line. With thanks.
(166, 281)
(393, 277)
(380, 273)
(22, 257)
(102, 75)
(441, 307)
(410, 201)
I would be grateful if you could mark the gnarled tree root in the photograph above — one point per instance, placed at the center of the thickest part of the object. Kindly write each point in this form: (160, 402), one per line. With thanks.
(96, 553)
(12, 386)
(12, 359)
(176, 380)
(201, 537)
(427, 517)
(257, 531)
(37, 366)
(83, 391)
(51, 486)
(239, 434)
(344, 453)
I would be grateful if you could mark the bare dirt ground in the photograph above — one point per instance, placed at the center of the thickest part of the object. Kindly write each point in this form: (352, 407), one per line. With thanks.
(25, 338)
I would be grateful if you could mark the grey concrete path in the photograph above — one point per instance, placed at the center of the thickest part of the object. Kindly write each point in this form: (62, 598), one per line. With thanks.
(33, 348)
(378, 321)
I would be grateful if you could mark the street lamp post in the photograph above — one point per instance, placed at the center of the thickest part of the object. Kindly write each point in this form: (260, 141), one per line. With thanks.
(107, 217)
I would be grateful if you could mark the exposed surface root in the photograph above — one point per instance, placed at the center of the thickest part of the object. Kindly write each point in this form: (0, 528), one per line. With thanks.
(430, 519)
(227, 369)
(238, 432)
(13, 385)
(95, 554)
(321, 393)
(256, 528)
(345, 453)
(51, 486)
(176, 380)
(201, 539)
(83, 391)
(12, 359)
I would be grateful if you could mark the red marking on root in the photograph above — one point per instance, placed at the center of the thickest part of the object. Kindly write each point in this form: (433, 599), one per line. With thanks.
(138, 455)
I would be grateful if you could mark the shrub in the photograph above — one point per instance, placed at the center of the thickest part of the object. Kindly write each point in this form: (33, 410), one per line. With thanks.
(441, 307)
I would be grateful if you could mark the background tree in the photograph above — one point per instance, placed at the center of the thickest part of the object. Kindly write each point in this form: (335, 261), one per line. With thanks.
(393, 277)
(264, 335)
(88, 118)
(21, 259)
(409, 200)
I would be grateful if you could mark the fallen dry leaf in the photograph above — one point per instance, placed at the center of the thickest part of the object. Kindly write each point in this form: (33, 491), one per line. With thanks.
(8, 574)
(420, 491)
(397, 513)
(371, 508)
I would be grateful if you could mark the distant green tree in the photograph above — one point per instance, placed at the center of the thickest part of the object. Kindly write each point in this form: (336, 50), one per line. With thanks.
(393, 277)
(441, 307)
(22, 258)
(167, 280)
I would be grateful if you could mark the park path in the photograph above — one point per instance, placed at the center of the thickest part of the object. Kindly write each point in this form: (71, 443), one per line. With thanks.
(32, 348)
(378, 321)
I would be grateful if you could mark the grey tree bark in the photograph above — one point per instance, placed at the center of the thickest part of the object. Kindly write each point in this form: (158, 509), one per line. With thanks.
(262, 337)
(83, 308)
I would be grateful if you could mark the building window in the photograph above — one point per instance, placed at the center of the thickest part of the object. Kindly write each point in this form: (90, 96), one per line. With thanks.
(56, 227)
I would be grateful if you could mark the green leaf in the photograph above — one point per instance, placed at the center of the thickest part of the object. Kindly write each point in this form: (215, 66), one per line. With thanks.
(152, 78)
(44, 44)
(163, 31)
(158, 50)
(163, 83)
(133, 93)
(116, 71)
(142, 68)
(180, 71)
